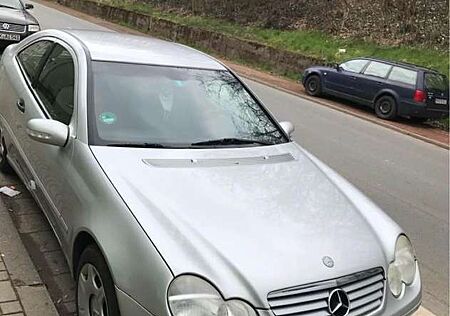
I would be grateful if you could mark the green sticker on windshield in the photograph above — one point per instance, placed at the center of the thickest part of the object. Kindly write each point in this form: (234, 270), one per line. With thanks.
(107, 118)
(179, 83)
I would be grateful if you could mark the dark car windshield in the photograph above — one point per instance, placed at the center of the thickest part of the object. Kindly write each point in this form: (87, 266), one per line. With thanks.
(13, 4)
(436, 82)
(156, 106)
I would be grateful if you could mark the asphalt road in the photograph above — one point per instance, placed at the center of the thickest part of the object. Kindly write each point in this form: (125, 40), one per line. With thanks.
(408, 178)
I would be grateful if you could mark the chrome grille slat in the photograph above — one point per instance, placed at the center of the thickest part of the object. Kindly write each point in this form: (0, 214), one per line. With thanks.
(304, 307)
(13, 28)
(292, 300)
(365, 309)
(365, 291)
(366, 299)
(354, 286)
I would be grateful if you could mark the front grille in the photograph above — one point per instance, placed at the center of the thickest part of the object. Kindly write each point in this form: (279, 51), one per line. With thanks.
(365, 291)
(12, 28)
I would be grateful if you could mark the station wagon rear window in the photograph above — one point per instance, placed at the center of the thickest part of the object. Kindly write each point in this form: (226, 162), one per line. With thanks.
(436, 82)
(403, 75)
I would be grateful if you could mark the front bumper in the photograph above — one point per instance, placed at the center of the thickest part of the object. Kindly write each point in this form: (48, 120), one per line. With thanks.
(128, 306)
(405, 305)
(5, 42)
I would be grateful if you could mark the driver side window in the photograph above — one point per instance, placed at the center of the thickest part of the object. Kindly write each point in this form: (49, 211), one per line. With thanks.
(356, 65)
(55, 85)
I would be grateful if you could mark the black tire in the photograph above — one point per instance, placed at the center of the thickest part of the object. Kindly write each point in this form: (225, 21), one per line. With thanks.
(313, 86)
(5, 167)
(92, 256)
(386, 107)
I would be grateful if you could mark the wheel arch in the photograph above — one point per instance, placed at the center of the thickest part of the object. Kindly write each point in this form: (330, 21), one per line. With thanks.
(386, 92)
(81, 242)
(313, 73)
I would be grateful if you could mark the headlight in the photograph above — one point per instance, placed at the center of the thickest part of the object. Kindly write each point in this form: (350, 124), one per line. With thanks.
(34, 28)
(402, 270)
(189, 295)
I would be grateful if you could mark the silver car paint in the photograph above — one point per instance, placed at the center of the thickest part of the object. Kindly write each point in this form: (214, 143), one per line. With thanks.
(249, 229)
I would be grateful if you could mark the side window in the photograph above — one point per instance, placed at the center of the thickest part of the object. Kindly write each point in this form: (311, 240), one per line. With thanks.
(377, 69)
(55, 85)
(403, 75)
(354, 65)
(32, 57)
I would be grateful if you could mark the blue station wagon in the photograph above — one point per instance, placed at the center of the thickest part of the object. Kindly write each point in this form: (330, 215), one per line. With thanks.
(392, 89)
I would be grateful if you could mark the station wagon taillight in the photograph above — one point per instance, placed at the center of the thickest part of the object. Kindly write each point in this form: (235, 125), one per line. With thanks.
(420, 96)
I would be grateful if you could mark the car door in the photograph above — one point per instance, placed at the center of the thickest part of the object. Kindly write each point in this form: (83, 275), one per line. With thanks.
(16, 80)
(49, 94)
(374, 79)
(343, 81)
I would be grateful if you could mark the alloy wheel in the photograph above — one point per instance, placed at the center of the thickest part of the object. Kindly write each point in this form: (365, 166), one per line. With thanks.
(91, 293)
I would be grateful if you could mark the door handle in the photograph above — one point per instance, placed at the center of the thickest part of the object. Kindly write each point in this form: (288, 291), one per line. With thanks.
(21, 105)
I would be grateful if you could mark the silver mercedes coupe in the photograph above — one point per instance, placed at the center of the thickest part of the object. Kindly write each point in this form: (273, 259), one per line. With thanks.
(174, 192)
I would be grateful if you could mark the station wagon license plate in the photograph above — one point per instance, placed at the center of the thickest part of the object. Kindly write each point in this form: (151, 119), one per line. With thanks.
(9, 37)
(441, 101)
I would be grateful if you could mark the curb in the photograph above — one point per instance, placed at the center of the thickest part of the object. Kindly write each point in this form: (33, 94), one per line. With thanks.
(21, 288)
(346, 111)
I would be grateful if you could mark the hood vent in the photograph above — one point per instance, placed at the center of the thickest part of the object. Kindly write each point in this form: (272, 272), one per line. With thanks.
(218, 162)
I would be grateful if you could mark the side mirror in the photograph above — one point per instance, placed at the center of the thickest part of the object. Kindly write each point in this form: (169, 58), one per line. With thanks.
(29, 6)
(337, 66)
(288, 127)
(48, 132)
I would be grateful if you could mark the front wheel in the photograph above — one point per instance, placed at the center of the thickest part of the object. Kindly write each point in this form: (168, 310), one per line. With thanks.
(386, 108)
(313, 86)
(95, 293)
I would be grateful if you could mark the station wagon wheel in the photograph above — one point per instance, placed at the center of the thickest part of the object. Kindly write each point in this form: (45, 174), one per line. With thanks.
(95, 293)
(5, 167)
(313, 86)
(386, 108)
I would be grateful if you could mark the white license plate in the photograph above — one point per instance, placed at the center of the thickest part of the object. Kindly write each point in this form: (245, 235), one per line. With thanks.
(441, 101)
(9, 37)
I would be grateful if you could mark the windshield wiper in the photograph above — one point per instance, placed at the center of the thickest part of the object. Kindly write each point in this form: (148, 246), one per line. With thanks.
(7, 6)
(230, 141)
(138, 145)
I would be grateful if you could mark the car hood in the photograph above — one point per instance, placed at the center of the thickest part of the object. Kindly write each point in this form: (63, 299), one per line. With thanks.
(251, 220)
(16, 17)
(319, 68)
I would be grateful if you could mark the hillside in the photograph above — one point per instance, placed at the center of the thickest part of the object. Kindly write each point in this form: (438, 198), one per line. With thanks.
(389, 22)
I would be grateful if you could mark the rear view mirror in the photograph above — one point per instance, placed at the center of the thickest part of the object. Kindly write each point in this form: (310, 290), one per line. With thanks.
(29, 6)
(288, 128)
(48, 132)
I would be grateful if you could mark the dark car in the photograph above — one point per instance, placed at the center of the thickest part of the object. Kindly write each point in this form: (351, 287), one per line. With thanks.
(15, 22)
(392, 89)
